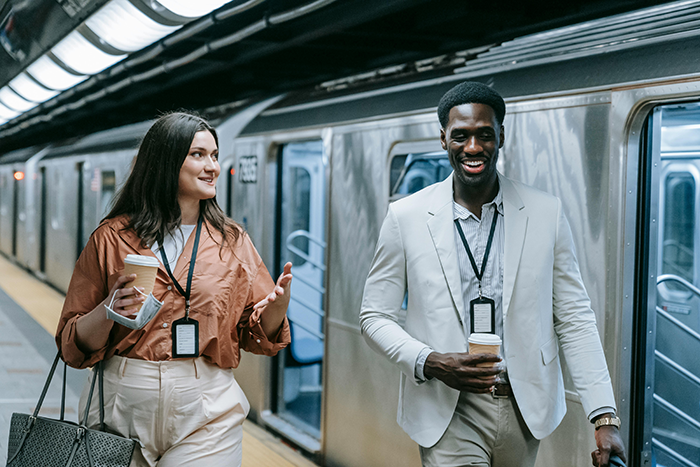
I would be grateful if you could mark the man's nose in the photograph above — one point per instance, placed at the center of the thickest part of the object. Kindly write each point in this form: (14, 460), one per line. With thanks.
(473, 146)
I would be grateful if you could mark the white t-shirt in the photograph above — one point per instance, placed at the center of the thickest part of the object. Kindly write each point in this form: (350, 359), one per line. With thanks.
(173, 245)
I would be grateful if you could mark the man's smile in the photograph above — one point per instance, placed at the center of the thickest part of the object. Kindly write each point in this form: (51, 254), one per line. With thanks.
(473, 166)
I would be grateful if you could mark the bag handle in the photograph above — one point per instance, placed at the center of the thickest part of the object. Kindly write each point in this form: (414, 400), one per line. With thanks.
(98, 370)
(97, 374)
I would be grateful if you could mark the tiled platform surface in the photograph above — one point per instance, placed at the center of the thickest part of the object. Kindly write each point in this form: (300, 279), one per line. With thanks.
(26, 352)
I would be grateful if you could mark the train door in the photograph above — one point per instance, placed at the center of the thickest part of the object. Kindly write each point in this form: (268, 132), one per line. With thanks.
(669, 400)
(301, 239)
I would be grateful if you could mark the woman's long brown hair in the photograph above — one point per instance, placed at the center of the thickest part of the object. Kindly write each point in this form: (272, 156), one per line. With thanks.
(149, 196)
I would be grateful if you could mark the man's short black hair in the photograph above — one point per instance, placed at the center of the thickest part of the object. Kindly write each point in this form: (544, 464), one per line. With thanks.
(470, 92)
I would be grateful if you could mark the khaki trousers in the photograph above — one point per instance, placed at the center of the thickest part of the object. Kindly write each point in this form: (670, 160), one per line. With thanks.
(183, 413)
(484, 432)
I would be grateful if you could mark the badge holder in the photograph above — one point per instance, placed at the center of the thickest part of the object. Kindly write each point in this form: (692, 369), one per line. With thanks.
(482, 315)
(186, 337)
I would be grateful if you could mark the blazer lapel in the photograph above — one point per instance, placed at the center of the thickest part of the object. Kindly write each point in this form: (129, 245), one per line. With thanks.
(441, 228)
(515, 218)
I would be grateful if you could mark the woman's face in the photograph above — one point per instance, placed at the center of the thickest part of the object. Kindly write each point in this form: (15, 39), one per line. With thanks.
(200, 170)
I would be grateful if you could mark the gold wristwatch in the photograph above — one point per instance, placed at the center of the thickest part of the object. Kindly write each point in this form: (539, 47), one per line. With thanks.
(608, 421)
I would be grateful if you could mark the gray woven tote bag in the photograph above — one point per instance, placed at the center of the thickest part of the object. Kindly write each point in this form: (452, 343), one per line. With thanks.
(43, 442)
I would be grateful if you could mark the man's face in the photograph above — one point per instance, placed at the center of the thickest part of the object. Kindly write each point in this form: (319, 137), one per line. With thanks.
(472, 139)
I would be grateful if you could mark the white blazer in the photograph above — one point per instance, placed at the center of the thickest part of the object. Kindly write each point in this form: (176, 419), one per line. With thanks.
(545, 308)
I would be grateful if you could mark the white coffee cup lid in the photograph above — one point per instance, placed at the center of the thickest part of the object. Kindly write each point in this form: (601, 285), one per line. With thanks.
(140, 260)
(483, 338)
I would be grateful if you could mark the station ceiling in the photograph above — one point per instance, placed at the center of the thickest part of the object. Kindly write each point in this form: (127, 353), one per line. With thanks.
(317, 42)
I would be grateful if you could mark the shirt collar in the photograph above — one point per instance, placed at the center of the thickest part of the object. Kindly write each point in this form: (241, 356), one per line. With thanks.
(460, 212)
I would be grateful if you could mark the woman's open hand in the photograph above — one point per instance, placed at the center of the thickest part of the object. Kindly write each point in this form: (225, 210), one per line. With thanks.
(274, 305)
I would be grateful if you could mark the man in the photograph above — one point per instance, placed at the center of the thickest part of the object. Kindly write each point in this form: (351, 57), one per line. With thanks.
(479, 243)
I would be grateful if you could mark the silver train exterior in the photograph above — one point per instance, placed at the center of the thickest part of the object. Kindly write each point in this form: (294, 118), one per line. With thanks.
(608, 128)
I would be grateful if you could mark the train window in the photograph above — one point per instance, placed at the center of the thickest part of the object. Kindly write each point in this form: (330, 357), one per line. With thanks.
(109, 186)
(299, 214)
(678, 246)
(410, 173)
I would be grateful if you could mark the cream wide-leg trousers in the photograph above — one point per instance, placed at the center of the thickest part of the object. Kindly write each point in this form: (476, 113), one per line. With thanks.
(182, 413)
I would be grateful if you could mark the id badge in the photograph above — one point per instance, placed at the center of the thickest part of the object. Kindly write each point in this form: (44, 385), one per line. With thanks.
(482, 315)
(186, 338)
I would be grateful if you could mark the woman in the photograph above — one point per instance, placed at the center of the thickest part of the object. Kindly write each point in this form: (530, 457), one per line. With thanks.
(182, 411)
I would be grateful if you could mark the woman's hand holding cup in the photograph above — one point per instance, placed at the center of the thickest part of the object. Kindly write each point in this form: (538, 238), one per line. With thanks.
(125, 300)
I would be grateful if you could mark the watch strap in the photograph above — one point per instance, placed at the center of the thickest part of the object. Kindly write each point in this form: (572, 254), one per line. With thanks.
(608, 421)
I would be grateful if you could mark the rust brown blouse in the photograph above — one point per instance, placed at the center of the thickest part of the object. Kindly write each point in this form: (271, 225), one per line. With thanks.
(224, 291)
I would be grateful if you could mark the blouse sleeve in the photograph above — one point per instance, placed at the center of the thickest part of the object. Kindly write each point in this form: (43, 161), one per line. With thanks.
(88, 287)
(250, 332)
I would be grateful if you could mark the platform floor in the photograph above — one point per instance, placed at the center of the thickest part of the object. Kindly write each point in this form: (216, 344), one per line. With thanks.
(29, 311)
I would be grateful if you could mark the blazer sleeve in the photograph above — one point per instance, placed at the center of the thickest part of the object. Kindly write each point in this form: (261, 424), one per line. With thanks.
(384, 293)
(575, 324)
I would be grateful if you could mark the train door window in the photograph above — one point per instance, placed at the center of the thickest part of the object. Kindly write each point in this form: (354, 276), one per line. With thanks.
(109, 187)
(409, 173)
(302, 240)
(668, 409)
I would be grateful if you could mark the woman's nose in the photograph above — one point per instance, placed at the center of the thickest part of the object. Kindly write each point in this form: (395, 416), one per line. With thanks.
(210, 163)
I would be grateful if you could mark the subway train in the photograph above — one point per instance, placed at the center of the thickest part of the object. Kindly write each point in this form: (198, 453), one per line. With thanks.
(603, 114)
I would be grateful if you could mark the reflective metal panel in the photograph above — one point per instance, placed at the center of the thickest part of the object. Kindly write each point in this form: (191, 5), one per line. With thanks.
(564, 151)
(61, 234)
(6, 209)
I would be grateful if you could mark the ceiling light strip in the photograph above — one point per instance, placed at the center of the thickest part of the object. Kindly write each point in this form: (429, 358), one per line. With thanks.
(82, 56)
(7, 113)
(30, 90)
(63, 65)
(52, 75)
(14, 101)
(98, 42)
(160, 14)
(126, 28)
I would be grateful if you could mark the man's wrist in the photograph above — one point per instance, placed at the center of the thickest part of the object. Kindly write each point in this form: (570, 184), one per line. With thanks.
(428, 365)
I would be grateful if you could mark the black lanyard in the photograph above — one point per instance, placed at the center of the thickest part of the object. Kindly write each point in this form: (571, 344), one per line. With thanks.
(185, 293)
(479, 275)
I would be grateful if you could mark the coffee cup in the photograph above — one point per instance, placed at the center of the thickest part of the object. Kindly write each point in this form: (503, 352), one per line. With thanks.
(484, 343)
(145, 268)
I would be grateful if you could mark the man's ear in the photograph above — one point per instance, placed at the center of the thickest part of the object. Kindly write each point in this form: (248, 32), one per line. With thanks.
(443, 139)
(502, 137)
